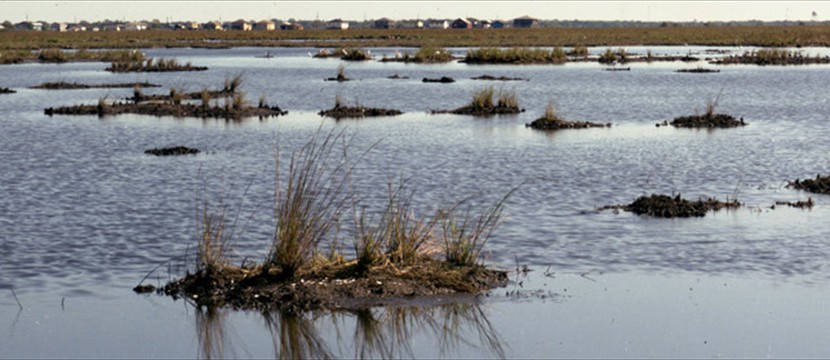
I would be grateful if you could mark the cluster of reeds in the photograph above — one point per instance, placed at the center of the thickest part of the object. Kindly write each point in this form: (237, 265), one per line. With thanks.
(354, 54)
(311, 201)
(516, 56)
(485, 98)
(426, 55)
(14, 56)
(52, 56)
(773, 57)
(579, 51)
(151, 65)
(550, 112)
(613, 56)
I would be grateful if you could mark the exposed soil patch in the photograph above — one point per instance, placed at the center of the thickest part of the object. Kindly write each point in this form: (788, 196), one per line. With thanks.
(61, 85)
(339, 112)
(666, 206)
(167, 109)
(172, 151)
(500, 78)
(443, 80)
(698, 70)
(544, 123)
(708, 121)
(819, 185)
(7, 91)
(344, 286)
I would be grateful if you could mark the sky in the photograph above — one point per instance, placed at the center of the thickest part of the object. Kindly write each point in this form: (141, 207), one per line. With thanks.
(168, 10)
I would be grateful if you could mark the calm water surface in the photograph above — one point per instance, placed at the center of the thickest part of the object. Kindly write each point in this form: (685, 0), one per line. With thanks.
(85, 215)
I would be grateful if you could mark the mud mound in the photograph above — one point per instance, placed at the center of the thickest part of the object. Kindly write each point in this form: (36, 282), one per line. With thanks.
(397, 77)
(7, 91)
(167, 109)
(172, 151)
(544, 123)
(342, 287)
(339, 112)
(500, 78)
(61, 85)
(443, 80)
(666, 206)
(708, 121)
(819, 185)
(699, 70)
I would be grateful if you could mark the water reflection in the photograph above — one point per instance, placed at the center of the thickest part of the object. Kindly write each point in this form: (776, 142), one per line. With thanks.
(384, 332)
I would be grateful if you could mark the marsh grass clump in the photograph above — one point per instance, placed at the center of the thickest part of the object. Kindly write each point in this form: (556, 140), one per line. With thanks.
(580, 51)
(396, 251)
(179, 104)
(52, 56)
(341, 74)
(151, 65)
(354, 54)
(341, 110)
(551, 121)
(515, 56)
(772, 57)
(709, 119)
(484, 103)
(612, 56)
(424, 55)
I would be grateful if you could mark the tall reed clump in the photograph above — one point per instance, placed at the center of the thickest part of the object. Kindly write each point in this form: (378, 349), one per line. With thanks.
(483, 98)
(508, 99)
(309, 201)
(579, 51)
(52, 56)
(399, 236)
(354, 54)
(430, 54)
(464, 236)
(214, 239)
(550, 111)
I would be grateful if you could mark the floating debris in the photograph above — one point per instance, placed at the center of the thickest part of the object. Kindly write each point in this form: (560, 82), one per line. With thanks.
(172, 151)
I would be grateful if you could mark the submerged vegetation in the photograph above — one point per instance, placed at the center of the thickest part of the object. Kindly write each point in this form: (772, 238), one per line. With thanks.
(488, 102)
(666, 206)
(551, 121)
(394, 256)
(819, 185)
(172, 151)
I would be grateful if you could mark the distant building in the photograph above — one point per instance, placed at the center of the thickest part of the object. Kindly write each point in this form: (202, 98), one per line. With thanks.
(266, 25)
(437, 24)
(212, 25)
(410, 24)
(241, 25)
(384, 23)
(525, 22)
(59, 27)
(484, 24)
(289, 26)
(461, 23)
(500, 24)
(337, 24)
(135, 26)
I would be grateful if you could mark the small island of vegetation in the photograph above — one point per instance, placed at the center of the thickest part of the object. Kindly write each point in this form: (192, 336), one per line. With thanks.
(819, 185)
(398, 256)
(340, 111)
(551, 121)
(483, 104)
(666, 206)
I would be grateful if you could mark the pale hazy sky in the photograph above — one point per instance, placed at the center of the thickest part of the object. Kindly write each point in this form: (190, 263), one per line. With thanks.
(69, 11)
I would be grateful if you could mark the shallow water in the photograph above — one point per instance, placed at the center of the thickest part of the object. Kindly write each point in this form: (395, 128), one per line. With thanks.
(85, 215)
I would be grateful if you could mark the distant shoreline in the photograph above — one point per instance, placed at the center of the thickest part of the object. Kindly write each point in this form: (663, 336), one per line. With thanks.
(762, 36)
